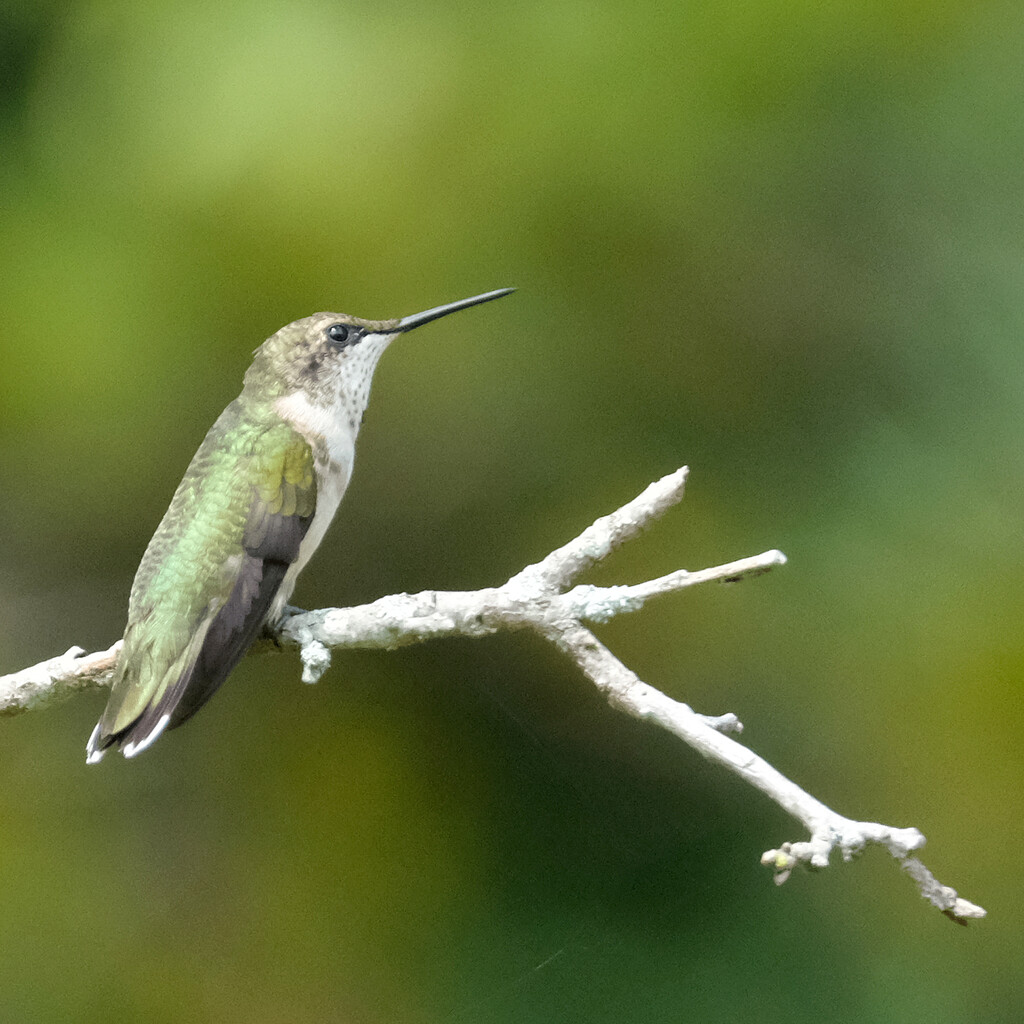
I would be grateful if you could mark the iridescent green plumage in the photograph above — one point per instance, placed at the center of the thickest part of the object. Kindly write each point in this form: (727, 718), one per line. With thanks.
(234, 526)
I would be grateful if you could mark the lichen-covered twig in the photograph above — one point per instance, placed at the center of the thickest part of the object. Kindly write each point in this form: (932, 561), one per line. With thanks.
(56, 678)
(542, 598)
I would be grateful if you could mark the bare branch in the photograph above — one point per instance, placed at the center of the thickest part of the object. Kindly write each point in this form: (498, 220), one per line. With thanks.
(54, 680)
(537, 599)
(564, 564)
(941, 896)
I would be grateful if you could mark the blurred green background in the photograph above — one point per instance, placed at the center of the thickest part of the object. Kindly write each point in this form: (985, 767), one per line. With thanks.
(782, 242)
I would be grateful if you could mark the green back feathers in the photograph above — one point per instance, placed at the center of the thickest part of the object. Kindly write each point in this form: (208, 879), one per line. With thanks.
(211, 570)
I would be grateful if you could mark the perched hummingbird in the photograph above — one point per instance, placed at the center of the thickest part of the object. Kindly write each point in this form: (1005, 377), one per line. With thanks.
(254, 505)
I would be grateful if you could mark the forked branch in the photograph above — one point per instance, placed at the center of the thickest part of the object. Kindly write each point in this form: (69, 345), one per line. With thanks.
(542, 598)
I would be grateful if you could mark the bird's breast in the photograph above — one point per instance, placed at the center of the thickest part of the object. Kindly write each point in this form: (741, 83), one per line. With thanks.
(332, 439)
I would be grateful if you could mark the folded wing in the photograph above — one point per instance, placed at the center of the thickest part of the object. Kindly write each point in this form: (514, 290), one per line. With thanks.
(208, 580)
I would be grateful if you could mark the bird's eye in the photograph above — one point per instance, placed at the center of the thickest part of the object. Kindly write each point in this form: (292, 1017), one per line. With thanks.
(341, 335)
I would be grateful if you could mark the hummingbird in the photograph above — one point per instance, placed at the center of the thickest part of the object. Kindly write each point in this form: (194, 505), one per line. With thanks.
(252, 508)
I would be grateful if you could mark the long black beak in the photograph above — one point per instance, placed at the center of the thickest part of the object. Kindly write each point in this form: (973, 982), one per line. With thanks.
(407, 323)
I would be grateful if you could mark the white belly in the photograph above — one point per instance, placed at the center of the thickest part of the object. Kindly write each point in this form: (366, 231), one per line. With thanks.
(334, 434)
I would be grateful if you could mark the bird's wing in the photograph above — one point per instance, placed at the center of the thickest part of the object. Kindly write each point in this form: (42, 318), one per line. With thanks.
(203, 592)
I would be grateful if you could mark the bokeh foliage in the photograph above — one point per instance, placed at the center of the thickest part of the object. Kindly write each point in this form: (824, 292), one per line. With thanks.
(780, 241)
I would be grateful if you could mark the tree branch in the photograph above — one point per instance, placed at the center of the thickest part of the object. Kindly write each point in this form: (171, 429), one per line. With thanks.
(537, 599)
